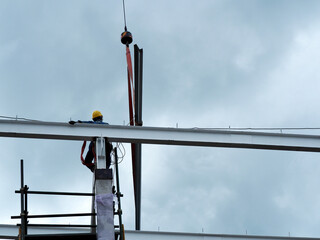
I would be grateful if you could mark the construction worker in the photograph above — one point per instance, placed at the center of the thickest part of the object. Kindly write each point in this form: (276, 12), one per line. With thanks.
(97, 118)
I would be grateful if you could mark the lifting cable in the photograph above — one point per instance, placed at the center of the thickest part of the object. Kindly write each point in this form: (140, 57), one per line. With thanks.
(126, 39)
(124, 16)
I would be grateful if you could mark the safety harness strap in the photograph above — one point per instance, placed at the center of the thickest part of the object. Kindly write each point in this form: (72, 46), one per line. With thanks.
(131, 107)
(130, 87)
(81, 156)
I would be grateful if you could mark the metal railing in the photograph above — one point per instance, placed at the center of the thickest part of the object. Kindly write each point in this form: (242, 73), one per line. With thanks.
(24, 215)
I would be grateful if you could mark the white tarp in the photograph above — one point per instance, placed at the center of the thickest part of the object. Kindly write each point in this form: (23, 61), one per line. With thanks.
(105, 222)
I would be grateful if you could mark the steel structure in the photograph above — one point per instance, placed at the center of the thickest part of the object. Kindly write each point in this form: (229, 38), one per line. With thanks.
(138, 72)
(156, 135)
(11, 232)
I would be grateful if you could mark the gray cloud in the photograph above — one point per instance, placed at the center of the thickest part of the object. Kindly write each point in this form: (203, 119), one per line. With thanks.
(207, 64)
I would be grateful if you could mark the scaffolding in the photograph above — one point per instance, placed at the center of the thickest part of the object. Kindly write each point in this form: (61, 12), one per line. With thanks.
(105, 176)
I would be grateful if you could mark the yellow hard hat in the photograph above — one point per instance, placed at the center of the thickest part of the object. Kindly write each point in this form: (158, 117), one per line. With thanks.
(96, 114)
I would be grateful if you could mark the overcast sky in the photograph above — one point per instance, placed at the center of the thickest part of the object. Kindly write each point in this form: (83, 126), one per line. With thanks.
(207, 63)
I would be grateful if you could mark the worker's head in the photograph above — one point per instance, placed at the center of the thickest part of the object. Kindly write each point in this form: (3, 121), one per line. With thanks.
(97, 116)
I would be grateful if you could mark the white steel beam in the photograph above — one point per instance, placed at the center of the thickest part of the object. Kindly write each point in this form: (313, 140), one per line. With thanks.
(156, 135)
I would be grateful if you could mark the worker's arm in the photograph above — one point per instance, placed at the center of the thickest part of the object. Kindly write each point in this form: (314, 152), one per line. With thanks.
(79, 121)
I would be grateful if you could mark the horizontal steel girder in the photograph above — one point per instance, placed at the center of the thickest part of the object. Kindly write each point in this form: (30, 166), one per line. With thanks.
(157, 135)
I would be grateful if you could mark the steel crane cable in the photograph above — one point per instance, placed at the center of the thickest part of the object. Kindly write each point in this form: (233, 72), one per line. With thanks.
(126, 39)
(124, 16)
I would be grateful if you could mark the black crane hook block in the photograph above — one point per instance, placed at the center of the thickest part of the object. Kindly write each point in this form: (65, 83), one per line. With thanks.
(126, 38)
